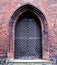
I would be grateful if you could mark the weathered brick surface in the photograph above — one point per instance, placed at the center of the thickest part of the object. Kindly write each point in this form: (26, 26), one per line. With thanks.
(47, 7)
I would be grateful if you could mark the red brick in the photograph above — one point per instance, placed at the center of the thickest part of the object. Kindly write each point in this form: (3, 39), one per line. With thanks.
(47, 7)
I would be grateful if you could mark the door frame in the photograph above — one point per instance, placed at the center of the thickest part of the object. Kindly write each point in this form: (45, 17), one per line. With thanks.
(44, 26)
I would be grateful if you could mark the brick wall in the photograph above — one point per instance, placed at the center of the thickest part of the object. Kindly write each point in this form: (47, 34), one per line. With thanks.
(47, 7)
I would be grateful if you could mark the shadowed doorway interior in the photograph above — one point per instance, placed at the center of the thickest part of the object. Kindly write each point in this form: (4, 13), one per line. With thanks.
(28, 37)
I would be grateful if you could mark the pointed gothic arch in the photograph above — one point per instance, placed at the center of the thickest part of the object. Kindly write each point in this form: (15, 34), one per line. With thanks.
(39, 15)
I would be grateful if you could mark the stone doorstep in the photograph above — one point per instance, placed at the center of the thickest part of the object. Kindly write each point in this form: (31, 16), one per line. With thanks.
(18, 60)
(28, 62)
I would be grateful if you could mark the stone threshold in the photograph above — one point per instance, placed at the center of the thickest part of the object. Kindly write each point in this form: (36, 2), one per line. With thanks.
(18, 60)
(28, 62)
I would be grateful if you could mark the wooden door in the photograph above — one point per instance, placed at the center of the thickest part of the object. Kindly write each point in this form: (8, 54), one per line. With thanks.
(28, 38)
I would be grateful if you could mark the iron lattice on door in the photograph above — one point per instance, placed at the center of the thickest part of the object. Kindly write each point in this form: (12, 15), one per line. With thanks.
(28, 41)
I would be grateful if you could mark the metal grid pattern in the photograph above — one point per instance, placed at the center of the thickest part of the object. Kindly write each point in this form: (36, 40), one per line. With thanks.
(28, 42)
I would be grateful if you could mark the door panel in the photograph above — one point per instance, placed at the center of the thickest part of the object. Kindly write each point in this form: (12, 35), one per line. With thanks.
(21, 39)
(34, 39)
(28, 40)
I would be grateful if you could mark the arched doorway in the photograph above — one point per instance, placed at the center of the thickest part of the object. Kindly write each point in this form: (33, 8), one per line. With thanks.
(39, 19)
(28, 37)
